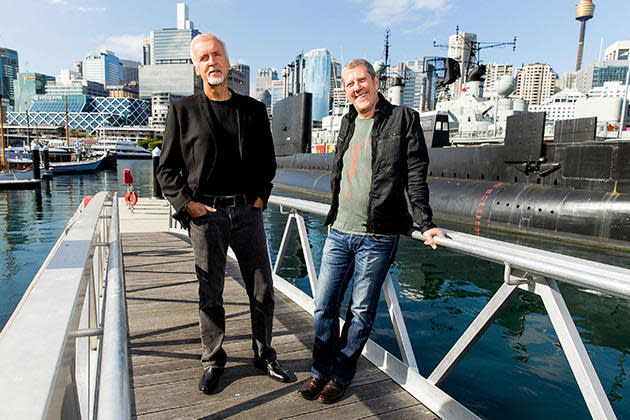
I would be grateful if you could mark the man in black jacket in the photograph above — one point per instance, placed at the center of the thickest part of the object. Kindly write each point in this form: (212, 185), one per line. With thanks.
(216, 169)
(381, 154)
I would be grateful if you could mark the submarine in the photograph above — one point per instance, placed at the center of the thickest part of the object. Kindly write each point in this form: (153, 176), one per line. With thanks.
(575, 187)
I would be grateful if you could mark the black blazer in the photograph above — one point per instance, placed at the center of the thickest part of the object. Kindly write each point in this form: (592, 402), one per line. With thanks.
(189, 151)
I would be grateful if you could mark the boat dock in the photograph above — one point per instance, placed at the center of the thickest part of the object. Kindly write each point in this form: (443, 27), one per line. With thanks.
(121, 337)
(164, 345)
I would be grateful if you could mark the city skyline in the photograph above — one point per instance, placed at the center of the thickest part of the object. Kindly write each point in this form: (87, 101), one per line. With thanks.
(271, 34)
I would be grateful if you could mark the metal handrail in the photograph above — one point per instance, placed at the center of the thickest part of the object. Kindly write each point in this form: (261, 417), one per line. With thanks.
(65, 346)
(527, 269)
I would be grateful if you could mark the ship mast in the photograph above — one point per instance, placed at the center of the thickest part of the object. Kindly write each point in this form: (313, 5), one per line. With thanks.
(67, 133)
(4, 161)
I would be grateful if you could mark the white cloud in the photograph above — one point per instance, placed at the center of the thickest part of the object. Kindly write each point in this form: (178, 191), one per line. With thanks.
(126, 45)
(91, 9)
(239, 61)
(74, 7)
(389, 12)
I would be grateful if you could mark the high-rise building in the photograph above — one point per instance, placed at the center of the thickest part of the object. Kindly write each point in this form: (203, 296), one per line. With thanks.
(535, 83)
(460, 47)
(617, 51)
(130, 71)
(318, 71)
(277, 92)
(263, 80)
(567, 81)
(238, 79)
(9, 69)
(171, 69)
(77, 67)
(146, 53)
(599, 72)
(103, 67)
(493, 72)
(26, 86)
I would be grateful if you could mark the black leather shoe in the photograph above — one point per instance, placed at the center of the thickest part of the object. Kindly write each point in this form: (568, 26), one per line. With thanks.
(273, 369)
(210, 379)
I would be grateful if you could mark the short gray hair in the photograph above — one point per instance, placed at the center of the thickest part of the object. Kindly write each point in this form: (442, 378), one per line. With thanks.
(205, 37)
(360, 62)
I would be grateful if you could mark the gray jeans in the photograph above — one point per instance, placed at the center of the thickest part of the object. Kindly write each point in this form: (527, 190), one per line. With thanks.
(242, 228)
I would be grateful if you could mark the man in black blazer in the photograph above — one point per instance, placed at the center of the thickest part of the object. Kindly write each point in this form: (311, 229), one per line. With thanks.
(216, 169)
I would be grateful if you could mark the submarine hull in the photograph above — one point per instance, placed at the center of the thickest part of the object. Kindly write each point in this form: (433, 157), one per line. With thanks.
(564, 213)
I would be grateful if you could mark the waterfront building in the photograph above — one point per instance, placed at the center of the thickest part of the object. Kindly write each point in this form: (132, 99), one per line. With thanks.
(75, 87)
(615, 89)
(170, 69)
(26, 86)
(617, 51)
(128, 90)
(560, 106)
(84, 112)
(599, 72)
(103, 67)
(9, 69)
(238, 78)
(160, 102)
(460, 46)
(535, 83)
(493, 72)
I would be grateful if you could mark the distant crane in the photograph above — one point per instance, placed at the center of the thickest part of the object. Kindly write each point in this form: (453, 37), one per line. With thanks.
(474, 47)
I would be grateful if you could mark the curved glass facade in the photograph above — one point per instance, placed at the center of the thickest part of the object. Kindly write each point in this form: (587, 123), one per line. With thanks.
(317, 74)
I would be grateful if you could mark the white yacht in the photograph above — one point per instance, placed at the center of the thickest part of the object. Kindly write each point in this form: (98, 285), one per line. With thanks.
(125, 149)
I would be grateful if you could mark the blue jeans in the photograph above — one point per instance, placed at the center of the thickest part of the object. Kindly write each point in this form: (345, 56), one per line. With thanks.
(364, 261)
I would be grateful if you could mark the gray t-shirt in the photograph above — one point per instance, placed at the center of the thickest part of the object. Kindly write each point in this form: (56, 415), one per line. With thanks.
(356, 178)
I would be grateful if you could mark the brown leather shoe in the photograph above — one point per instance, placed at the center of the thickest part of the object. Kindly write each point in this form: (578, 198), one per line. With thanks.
(332, 392)
(311, 388)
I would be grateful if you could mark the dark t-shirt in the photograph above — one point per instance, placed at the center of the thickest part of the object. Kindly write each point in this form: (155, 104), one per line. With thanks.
(226, 177)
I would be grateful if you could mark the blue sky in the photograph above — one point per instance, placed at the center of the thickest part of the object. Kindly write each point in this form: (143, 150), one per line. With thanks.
(50, 34)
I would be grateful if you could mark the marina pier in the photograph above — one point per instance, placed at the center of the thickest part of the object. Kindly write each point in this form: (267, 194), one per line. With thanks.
(121, 338)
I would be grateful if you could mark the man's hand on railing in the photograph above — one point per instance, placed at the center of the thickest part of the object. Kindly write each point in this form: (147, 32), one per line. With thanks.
(429, 234)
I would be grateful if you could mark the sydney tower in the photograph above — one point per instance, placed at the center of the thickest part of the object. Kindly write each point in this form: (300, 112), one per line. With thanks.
(583, 12)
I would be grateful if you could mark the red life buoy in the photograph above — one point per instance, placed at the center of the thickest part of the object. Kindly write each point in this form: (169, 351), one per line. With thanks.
(131, 198)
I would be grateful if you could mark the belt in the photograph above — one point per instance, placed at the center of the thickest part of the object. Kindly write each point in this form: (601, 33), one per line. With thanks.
(223, 200)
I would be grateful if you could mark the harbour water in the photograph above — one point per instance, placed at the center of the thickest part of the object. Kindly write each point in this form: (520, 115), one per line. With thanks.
(517, 370)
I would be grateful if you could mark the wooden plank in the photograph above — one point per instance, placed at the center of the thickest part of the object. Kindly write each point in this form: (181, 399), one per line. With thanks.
(165, 349)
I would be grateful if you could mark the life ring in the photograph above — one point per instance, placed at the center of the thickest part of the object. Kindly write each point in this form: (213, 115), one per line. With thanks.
(131, 198)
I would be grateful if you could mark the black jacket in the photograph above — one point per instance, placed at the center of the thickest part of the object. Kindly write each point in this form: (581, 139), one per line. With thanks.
(399, 163)
(189, 151)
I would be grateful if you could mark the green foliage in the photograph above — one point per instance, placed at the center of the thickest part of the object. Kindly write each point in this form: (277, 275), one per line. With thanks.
(145, 142)
(154, 144)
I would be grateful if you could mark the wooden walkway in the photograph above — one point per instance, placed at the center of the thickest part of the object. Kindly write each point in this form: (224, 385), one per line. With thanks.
(165, 349)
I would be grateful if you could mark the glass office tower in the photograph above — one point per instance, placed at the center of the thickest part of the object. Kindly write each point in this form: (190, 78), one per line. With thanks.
(317, 80)
(9, 68)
